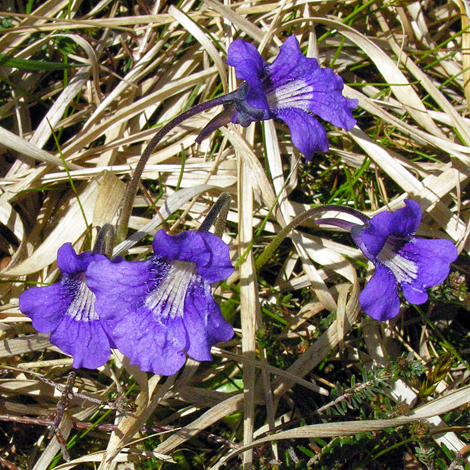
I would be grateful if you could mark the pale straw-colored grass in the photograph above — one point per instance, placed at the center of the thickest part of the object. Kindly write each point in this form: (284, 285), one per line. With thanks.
(148, 65)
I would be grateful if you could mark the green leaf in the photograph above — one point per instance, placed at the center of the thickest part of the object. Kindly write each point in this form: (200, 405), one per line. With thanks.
(33, 65)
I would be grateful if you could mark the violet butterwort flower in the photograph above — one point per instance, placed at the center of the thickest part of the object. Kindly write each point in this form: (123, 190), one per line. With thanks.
(160, 308)
(292, 88)
(388, 240)
(66, 309)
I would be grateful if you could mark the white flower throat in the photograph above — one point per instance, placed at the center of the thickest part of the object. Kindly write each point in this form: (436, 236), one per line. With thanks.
(293, 94)
(82, 307)
(404, 269)
(167, 300)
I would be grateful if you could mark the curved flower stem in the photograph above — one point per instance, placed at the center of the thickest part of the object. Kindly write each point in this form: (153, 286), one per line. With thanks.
(217, 214)
(131, 191)
(268, 252)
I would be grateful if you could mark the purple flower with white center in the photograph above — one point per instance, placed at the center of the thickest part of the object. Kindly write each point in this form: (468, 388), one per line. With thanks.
(388, 240)
(160, 308)
(292, 88)
(66, 309)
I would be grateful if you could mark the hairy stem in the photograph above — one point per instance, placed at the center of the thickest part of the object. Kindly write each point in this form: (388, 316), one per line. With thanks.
(272, 247)
(131, 191)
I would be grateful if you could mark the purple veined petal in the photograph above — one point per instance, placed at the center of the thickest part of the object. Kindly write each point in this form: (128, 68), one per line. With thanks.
(119, 287)
(186, 246)
(405, 221)
(327, 100)
(45, 305)
(154, 344)
(152, 340)
(291, 64)
(246, 59)
(208, 251)
(85, 341)
(414, 293)
(372, 239)
(71, 263)
(204, 323)
(220, 266)
(433, 258)
(249, 66)
(307, 133)
(380, 299)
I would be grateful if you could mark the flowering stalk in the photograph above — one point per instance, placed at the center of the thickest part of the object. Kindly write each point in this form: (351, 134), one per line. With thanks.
(278, 239)
(236, 96)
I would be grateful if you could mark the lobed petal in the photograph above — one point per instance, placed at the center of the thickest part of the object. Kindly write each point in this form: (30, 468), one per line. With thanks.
(119, 287)
(307, 133)
(405, 221)
(71, 263)
(433, 258)
(327, 99)
(206, 250)
(371, 238)
(291, 64)
(153, 343)
(150, 341)
(45, 306)
(85, 341)
(379, 299)
(204, 323)
(249, 66)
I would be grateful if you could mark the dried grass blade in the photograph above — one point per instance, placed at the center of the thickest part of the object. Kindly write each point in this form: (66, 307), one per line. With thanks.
(216, 413)
(249, 307)
(12, 141)
(12, 347)
(69, 228)
(194, 29)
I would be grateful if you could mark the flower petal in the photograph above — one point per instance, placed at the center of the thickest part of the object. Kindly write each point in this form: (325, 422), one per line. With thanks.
(371, 239)
(433, 258)
(71, 263)
(291, 64)
(379, 299)
(207, 250)
(46, 305)
(404, 222)
(249, 66)
(328, 101)
(204, 323)
(85, 341)
(118, 287)
(307, 133)
(154, 344)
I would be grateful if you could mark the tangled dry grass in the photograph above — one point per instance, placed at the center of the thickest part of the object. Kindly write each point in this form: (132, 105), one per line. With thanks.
(84, 86)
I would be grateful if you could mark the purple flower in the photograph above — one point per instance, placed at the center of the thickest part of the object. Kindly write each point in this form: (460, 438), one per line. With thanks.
(388, 241)
(66, 310)
(159, 308)
(292, 88)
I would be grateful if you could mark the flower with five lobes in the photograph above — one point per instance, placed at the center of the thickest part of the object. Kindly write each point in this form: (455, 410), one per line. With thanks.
(292, 88)
(388, 240)
(66, 309)
(158, 309)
